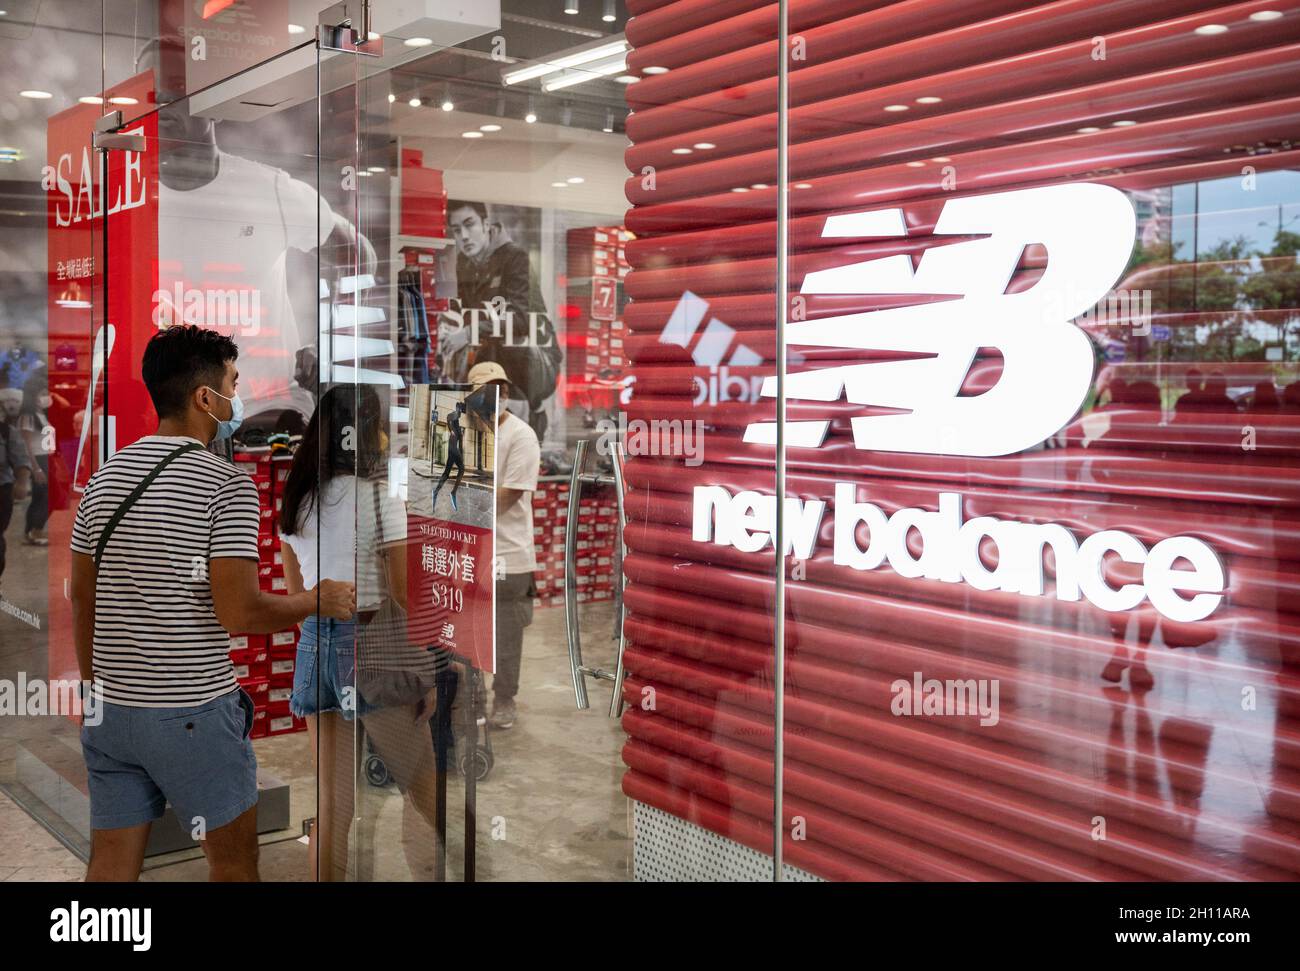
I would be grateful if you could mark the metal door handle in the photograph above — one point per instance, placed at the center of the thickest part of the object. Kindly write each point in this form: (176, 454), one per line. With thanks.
(579, 670)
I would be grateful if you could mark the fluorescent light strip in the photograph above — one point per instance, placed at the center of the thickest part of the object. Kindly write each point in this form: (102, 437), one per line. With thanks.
(618, 47)
(590, 73)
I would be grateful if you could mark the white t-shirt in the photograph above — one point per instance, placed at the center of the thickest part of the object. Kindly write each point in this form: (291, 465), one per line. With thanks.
(225, 245)
(349, 536)
(518, 457)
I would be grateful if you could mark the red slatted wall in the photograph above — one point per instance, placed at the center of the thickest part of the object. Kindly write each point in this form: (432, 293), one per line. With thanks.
(1192, 784)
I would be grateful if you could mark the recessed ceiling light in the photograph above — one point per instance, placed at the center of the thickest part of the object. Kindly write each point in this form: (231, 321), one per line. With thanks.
(1125, 123)
(448, 105)
(1209, 30)
(297, 29)
(1266, 15)
(916, 165)
(91, 99)
(681, 151)
(530, 117)
(418, 41)
(571, 7)
(895, 107)
(803, 185)
(654, 69)
(375, 168)
(391, 97)
(123, 101)
(705, 146)
(1088, 130)
(414, 102)
(576, 180)
(941, 159)
(559, 185)
(471, 134)
(33, 93)
(364, 173)
(740, 188)
(489, 127)
(929, 99)
(627, 79)
(759, 185)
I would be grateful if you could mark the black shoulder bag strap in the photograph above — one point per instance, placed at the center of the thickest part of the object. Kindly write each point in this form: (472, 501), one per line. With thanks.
(136, 493)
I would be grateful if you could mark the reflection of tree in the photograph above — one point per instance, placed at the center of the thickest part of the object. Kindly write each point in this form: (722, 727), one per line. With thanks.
(1275, 286)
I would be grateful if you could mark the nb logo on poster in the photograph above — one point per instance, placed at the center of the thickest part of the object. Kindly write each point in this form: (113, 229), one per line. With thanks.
(1087, 230)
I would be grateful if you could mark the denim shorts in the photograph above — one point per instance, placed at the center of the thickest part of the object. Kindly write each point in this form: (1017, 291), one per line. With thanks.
(198, 758)
(325, 670)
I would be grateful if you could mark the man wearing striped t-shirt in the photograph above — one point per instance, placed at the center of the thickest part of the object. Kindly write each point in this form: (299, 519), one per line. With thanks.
(164, 569)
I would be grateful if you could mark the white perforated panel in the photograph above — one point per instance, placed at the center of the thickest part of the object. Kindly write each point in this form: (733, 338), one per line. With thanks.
(666, 849)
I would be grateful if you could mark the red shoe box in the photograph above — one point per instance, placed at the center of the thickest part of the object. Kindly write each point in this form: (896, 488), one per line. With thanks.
(261, 723)
(284, 724)
(282, 641)
(259, 689)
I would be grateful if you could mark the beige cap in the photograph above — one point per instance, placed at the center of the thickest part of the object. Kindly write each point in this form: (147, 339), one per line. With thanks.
(486, 372)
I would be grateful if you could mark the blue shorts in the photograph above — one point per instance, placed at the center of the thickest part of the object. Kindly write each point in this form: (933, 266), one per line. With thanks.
(198, 758)
(325, 670)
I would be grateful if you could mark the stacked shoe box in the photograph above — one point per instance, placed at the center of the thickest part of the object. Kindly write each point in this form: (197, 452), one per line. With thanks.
(597, 530)
(595, 334)
(264, 662)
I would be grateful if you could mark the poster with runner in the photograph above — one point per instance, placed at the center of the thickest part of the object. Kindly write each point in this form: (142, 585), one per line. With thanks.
(451, 519)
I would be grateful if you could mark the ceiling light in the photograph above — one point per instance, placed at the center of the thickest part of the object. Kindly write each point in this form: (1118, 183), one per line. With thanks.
(33, 93)
(608, 127)
(916, 165)
(471, 134)
(627, 79)
(656, 69)
(448, 105)
(740, 188)
(586, 55)
(375, 168)
(895, 107)
(1209, 30)
(530, 117)
(91, 99)
(705, 146)
(803, 185)
(489, 127)
(571, 7)
(681, 151)
(1088, 130)
(391, 97)
(587, 72)
(559, 185)
(418, 42)
(363, 172)
(1266, 15)
(414, 102)
(297, 29)
(610, 14)
(759, 185)
(575, 180)
(1126, 123)
(123, 101)
(929, 99)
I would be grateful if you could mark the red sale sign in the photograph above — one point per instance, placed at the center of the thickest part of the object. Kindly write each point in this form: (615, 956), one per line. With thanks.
(99, 316)
(450, 589)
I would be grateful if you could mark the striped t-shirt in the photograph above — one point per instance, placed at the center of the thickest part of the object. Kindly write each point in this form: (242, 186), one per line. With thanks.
(157, 642)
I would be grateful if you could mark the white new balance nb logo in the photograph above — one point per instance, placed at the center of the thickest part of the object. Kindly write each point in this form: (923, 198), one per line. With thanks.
(1088, 231)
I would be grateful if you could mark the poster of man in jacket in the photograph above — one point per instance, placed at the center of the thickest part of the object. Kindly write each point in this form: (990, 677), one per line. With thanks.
(497, 312)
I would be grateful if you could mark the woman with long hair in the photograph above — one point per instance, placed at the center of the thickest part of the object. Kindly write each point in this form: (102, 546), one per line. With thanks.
(338, 521)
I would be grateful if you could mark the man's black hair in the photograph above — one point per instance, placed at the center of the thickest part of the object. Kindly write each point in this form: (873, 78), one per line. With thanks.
(478, 207)
(180, 359)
